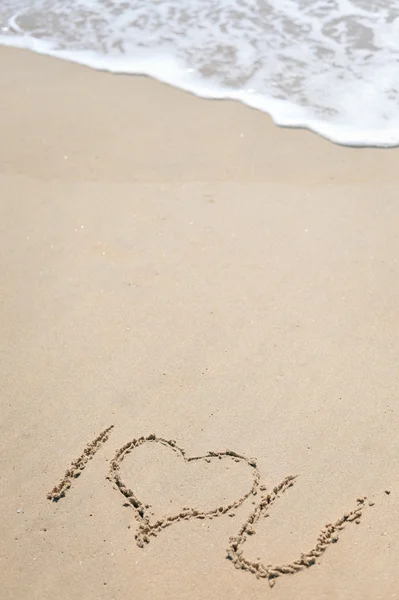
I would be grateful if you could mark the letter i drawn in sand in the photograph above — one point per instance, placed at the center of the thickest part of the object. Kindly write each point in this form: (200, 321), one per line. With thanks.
(78, 465)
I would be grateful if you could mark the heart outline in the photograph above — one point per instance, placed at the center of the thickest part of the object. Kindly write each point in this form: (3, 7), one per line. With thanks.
(147, 529)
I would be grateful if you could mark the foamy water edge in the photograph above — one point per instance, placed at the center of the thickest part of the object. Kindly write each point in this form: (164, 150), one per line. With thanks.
(169, 71)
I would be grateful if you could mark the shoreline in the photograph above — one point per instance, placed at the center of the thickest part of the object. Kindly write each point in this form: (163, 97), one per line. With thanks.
(283, 113)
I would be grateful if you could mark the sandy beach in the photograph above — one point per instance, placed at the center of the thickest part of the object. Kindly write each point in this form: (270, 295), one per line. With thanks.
(224, 293)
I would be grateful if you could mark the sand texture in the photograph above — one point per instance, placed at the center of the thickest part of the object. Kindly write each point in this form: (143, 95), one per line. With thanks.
(199, 337)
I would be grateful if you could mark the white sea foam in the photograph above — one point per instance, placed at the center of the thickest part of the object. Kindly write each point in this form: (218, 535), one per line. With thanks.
(329, 65)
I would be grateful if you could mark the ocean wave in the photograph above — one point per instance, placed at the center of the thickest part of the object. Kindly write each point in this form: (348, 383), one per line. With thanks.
(327, 65)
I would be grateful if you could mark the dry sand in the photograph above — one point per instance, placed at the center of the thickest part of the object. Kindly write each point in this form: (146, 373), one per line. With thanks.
(182, 267)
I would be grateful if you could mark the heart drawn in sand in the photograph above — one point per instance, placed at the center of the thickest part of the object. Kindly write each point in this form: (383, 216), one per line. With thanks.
(148, 529)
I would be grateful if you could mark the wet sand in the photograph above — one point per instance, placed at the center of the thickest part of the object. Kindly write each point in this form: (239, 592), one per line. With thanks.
(225, 294)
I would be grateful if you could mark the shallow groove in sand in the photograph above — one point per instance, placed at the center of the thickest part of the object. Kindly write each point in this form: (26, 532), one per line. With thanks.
(78, 465)
(327, 536)
(146, 529)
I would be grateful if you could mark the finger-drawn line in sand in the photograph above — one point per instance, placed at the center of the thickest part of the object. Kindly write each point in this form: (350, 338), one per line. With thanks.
(78, 465)
(327, 536)
(147, 529)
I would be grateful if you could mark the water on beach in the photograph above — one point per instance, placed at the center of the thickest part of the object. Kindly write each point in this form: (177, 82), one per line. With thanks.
(329, 65)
